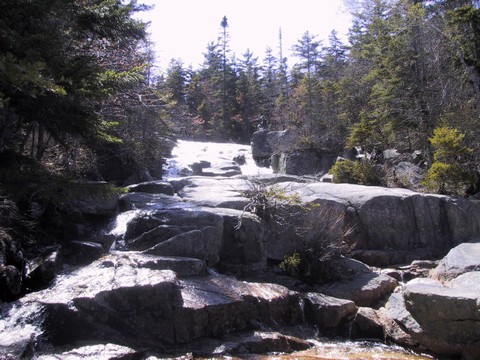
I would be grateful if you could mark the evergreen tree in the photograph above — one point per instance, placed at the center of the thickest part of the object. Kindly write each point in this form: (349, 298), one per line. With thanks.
(249, 97)
(305, 92)
(281, 116)
(270, 83)
(369, 38)
(175, 92)
(224, 44)
(55, 69)
(333, 65)
(448, 175)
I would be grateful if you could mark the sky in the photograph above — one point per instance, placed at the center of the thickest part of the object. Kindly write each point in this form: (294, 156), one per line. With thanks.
(182, 29)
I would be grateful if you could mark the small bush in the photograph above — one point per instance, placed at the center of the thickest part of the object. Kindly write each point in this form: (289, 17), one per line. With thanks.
(308, 142)
(344, 172)
(448, 174)
(274, 204)
(291, 264)
(446, 179)
(357, 172)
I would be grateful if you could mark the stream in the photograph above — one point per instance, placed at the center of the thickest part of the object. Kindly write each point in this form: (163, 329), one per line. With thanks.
(15, 323)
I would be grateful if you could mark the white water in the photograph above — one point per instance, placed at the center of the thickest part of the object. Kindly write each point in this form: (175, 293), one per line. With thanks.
(19, 324)
(185, 154)
(188, 152)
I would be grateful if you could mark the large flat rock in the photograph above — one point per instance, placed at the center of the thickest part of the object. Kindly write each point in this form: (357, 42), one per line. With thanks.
(445, 320)
(364, 289)
(374, 218)
(460, 260)
(393, 219)
(217, 305)
(130, 299)
(215, 192)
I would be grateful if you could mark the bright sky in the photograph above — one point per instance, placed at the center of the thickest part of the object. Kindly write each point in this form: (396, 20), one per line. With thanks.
(182, 29)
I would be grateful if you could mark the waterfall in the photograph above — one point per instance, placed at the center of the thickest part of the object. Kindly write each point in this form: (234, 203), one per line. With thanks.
(179, 164)
(189, 152)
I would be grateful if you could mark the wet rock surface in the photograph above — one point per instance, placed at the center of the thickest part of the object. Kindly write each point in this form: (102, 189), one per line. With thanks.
(152, 187)
(364, 290)
(367, 325)
(177, 232)
(128, 299)
(95, 352)
(42, 270)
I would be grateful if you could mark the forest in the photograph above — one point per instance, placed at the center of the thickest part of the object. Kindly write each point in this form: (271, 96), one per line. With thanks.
(79, 97)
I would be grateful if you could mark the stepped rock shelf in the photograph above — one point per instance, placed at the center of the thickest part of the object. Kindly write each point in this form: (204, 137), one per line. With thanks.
(159, 293)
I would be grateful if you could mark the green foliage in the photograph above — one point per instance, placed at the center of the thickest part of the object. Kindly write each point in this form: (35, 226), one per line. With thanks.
(29, 180)
(464, 27)
(308, 142)
(27, 76)
(60, 63)
(448, 144)
(344, 172)
(274, 204)
(448, 175)
(277, 194)
(364, 133)
(442, 178)
(357, 172)
(291, 264)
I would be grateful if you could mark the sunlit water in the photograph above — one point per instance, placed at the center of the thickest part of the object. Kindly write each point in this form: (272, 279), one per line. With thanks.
(340, 350)
(19, 324)
(188, 152)
(349, 350)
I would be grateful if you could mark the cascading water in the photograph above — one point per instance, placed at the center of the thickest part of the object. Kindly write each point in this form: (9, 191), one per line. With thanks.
(179, 164)
(189, 152)
(19, 326)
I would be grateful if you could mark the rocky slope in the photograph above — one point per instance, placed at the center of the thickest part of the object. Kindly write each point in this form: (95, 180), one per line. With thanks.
(159, 292)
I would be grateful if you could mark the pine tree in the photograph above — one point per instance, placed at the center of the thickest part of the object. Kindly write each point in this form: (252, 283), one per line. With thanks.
(332, 70)
(249, 97)
(55, 71)
(305, 92)
(448, 175)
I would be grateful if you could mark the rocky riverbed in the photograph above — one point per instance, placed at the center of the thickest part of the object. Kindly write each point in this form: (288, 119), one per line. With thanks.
(185, 277)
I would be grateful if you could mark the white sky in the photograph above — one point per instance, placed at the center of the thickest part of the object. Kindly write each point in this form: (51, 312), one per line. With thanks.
(182, 29)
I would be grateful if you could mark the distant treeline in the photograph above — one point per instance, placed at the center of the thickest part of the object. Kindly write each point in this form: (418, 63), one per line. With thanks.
(76, 86)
